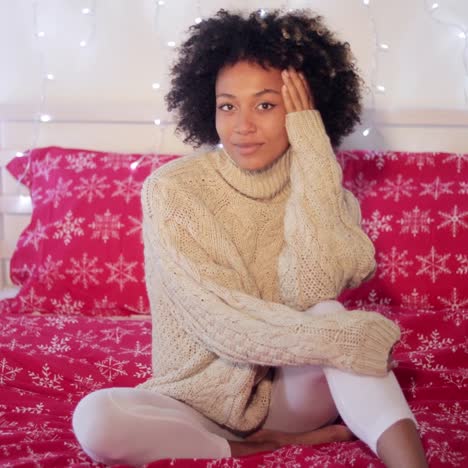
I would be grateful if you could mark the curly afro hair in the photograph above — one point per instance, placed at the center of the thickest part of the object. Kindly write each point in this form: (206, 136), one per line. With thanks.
(294, 39)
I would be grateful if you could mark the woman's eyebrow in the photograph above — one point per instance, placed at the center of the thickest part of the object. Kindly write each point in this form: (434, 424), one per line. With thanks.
(260, 93)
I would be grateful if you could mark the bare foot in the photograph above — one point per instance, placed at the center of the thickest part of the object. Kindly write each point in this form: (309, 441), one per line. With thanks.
(332, 433)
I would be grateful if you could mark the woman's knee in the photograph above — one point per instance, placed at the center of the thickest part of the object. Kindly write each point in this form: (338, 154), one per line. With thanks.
(96, 425)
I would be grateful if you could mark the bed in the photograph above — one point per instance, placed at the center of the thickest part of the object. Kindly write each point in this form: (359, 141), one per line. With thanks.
(80, 320)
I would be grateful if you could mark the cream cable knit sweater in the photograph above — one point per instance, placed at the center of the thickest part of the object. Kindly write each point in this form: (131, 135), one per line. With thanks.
(232, 260)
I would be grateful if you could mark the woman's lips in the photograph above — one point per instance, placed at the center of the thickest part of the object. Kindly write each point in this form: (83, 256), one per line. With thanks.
(248, 149)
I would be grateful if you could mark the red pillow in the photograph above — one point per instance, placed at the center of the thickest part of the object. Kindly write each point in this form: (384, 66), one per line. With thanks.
(82, 252)
(415, 210)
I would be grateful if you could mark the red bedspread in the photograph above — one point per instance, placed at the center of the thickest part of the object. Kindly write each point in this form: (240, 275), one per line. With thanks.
(47, 363)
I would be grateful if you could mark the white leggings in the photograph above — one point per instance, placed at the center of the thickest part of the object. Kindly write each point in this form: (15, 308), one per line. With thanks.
(135, 426)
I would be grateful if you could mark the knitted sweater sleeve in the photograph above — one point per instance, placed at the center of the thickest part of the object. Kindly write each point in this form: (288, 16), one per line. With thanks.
(325, 250)
(203, 284)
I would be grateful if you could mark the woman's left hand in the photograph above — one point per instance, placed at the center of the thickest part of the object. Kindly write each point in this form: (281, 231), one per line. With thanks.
(296, 92)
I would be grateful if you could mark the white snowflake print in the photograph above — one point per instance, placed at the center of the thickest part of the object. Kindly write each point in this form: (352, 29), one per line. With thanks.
(30, 302)
(415, 221)
(40, 432)
(84, 271)
(380, 157)
(68, 227)
(7, 372)
(58, 193)
(285, 457)
(117, 161)
(121, 272)
(361, 187)
(138, 350)
(38, 409)
(115, 334)
(463, 190)
(456, 377)
(46, 166)
(442, 452)
(377, 224)
(433, 341)
(58, 322)
(85, 385)
(397, 188)
(104, 305)
(56, 346)
(47, 379)
(144, 371)
(455, 414)
(433, 264)
(459, 159)
(49, 272)
(436, 188)
(14, 344)
(106, 226)
(374, 302)
(420, 159)
(456, 310)
(35, 235)
(426, 361)
(68, 306)
(394, 264)
(111, 368)
(24, 271)
(142, 308)
(91, 188)
(416, 301)
(80, 161)
(463, 268)
(223, 463)
(127, 189)
(136, 229)
(454, 219)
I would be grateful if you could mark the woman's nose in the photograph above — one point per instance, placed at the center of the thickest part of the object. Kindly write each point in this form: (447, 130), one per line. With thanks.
(244, 123)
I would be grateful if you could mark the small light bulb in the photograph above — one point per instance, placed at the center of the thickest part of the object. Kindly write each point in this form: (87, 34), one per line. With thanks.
(384, 46)
(157, 121)
(220, 145)
(19, 154)
(161, 2)
(156, 85)
(41, 34)
(366, 131)
(50, 76)
(366, 2)
(462, 35)
(381, 88)
(24, 199)
(86, 11)
(435, 6)
(263, 13)
(45, 118)
(171, 44)
(134, 165)
(83, 44)
(198, 20)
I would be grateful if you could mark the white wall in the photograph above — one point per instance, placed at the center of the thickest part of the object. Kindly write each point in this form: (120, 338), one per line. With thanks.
(109, 82)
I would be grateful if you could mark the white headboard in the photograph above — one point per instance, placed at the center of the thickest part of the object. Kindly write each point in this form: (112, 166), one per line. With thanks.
(404, 130)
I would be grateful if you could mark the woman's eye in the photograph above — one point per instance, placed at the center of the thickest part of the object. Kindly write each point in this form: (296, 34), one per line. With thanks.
(226, 107)
(266, 106)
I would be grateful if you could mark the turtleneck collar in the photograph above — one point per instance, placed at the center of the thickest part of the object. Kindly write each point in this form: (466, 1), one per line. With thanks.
(258, 184)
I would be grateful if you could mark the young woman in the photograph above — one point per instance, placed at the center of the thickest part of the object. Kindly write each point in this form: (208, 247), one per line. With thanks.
(246, 248)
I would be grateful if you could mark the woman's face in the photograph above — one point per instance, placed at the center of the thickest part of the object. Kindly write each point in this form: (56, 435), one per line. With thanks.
(250, 114)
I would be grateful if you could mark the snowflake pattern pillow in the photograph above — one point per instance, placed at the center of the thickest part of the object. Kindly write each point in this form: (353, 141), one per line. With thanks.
(82, 252)
(415, 209)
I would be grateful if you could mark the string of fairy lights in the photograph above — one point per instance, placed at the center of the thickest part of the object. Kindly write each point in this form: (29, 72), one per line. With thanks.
(89, 10)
